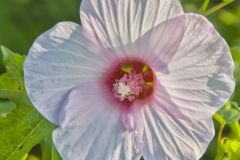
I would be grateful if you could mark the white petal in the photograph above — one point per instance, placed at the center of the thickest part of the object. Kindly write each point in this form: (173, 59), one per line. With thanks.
(128, 120)
(159, 45)
(166, 138)
(60, 59)
(92, 128)
(199, 79)
(121, 22)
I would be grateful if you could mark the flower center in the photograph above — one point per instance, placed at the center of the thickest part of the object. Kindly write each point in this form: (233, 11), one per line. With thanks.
(129, 81)
(129, 86)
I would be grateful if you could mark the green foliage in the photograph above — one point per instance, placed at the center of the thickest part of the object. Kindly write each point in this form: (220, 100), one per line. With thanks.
(230, 112)
(215, 8)
(236, 53)
(6, 107)
(236, 94)
(204, 6)
(228, 147)
(24, 127)
(12, 85)
(48, 150)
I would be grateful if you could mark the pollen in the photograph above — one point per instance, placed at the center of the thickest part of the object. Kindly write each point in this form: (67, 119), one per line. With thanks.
(130, 81)
(128, 87)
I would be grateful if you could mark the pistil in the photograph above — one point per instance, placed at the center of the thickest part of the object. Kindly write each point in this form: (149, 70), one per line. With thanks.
(129, 86)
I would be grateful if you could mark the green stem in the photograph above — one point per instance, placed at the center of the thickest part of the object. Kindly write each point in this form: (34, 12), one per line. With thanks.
(217, 7)
(220, 154)
(222, 123)
(235, 128)
(217, 117)
(204, 6)
(219, 139)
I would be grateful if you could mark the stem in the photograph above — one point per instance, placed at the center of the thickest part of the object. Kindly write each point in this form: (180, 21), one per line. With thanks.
(217, 117)
(204, 6)
(217, 7)
(220, 154)
(222, 123)
(219, 138)
(235, 127)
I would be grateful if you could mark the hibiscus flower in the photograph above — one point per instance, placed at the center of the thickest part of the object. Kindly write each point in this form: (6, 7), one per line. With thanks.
(137, 78)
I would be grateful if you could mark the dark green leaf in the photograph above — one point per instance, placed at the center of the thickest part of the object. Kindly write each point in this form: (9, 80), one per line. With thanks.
(24, 128)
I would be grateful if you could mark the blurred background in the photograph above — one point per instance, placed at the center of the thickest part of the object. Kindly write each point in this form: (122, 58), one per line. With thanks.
(21, 21)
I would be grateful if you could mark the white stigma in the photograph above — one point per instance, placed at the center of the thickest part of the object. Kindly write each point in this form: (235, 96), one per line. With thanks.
(128, 87)
(123, 90)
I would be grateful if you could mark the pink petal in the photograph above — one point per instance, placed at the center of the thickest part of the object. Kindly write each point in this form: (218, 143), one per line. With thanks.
(92, 128)
(164, 137)
(159, 45)
(199, 79)
(121, 22)
(128, 120)
(60, 59)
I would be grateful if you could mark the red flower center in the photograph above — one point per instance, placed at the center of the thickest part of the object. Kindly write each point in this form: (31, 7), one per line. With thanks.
(129, 81)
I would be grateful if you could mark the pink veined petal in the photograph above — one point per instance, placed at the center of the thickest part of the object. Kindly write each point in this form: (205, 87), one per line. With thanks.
(159, 45)
(92, 128)
(121, 22)
(199, 79)
(164, 137)
(60, 59)
(128, 120)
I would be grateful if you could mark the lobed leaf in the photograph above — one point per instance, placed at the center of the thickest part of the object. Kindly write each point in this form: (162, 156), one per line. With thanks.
(24, 127)
(11, 83)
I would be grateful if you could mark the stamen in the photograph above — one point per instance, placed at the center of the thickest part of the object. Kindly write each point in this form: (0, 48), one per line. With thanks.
(150, 84)
(127, 69)
(128, 87)
(145, 69)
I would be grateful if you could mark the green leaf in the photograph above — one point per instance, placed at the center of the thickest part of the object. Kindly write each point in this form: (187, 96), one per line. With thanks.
(13, 63)
(6, 107)
(22, 130)
(235, 129)
(230, 112)
(32, 157)
(231, 148)
(11, 83)
(24, 157)
(235, 146)
(24, 127)
(48, 150)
